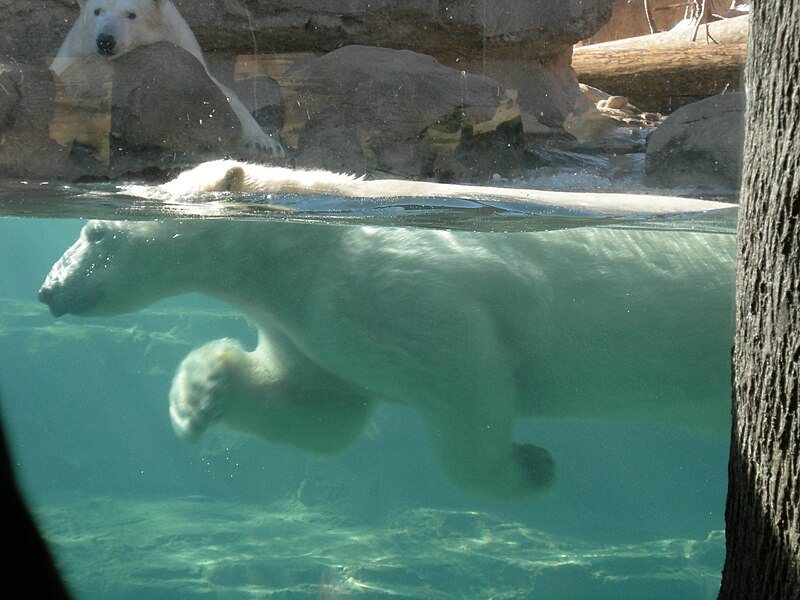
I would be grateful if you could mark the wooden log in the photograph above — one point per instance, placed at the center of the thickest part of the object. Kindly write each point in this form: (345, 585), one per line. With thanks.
(664, 71)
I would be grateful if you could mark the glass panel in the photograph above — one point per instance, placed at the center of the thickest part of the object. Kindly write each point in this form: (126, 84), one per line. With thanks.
(443, 292)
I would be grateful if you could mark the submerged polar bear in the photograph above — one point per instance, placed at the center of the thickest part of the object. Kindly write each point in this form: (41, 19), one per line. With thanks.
(470, 330)
(111, 28)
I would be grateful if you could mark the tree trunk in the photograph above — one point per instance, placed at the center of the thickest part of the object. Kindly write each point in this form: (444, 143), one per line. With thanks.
(763, 509)
(663, 71)
(651, 76)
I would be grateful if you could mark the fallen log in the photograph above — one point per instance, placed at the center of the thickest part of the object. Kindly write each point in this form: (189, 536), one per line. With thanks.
(664, 71)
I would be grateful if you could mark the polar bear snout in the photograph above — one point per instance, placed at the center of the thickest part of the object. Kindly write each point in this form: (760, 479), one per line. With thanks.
(61, 303)
(47, 296)
(106, 44)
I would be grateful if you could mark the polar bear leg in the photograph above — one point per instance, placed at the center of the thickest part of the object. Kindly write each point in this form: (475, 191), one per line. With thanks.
(477, 455)
(201, 387)
(273, 392)
(254, 139)
(471, 415)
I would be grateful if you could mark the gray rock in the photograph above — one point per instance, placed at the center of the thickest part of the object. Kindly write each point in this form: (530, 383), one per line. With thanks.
(26, 150)
(383, 117)
(358, 109)
(154, 107)
(524, 44)
(463, 29)
(362, 109)
(699, 144)
(162, 98)
(455, 29)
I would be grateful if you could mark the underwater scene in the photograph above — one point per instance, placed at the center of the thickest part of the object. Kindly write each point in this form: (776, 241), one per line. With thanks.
(419, 399)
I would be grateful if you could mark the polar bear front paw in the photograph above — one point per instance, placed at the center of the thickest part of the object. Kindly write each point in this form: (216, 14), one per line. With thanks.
(258, 144)
(201, 387)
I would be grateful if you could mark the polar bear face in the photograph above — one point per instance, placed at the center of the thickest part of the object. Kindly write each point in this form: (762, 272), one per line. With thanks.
(114, 267)
(122, 25)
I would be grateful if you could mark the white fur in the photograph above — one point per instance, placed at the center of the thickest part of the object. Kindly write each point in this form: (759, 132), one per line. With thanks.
(135, 23)
(234, 176)
(471, 330)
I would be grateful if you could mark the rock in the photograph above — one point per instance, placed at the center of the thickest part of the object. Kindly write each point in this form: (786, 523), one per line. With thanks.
(358, 109)
(26, 150)
(524, 44)
(458, 29)
(547, 90)
(521, 47)
(153, 107)
(261, 95)
(591, 125)
(699, 144)
(617, 102)
(163, 98)
(364, 109)
(9, 99)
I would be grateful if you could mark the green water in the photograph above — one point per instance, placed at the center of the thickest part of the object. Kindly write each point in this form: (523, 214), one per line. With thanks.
(131, 511)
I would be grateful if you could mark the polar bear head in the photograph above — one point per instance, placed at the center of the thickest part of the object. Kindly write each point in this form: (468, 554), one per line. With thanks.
(119, 26)
(116, 267)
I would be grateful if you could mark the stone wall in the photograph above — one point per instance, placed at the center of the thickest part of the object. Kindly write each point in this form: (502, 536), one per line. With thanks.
(520, 49)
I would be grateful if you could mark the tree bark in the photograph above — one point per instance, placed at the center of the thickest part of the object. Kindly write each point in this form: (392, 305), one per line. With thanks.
(763, 508)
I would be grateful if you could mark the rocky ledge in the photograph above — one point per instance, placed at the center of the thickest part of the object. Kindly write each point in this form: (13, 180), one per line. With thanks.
(416, 89)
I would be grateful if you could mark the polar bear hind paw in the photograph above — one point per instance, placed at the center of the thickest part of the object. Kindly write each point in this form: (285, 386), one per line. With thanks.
(201, 386)
(537, 464)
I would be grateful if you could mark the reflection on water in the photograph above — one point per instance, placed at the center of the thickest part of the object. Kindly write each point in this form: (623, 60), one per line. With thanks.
(641, 308)
(196, 547)
(478, 212)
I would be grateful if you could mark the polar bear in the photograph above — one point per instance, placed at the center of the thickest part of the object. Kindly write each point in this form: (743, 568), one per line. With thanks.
(111, 28)
(235, 176)
(470, 330)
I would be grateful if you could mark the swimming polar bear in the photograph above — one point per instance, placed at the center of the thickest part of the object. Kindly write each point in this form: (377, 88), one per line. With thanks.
(112, 28)
(471, 330)
(236, 176)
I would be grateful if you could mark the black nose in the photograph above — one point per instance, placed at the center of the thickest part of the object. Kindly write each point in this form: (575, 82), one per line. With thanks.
(106, 43)
(47, 296)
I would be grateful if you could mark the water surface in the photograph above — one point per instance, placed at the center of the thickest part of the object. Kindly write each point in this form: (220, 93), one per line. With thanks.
(133, 512)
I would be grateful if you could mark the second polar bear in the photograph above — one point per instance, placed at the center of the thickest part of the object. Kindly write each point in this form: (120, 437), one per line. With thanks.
(112, 28)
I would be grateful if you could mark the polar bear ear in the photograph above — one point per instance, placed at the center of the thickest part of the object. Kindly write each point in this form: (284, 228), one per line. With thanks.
(233, 181)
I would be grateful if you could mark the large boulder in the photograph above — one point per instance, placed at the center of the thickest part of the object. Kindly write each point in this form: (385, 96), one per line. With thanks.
(154, 107)
(449, 31)
(163, 98)
(358, 109)
(699, 145)
(525, 45)
(395, 111)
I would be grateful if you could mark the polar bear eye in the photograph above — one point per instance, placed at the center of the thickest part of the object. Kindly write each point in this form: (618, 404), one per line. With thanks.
(95, 233)
(97, 12)
(132, 15)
